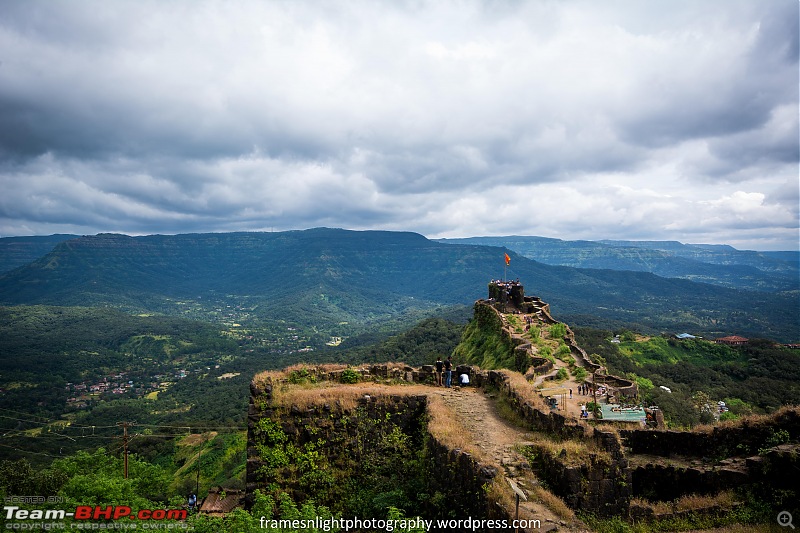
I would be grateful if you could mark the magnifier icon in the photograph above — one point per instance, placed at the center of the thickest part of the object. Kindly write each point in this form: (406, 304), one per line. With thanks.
(785, 519)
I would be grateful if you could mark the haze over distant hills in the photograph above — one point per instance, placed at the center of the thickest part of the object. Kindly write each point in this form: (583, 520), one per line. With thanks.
(19, 251)
(366, 276)
(717, 264)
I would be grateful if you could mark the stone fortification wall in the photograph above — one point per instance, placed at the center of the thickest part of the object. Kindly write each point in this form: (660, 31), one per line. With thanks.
(510, 297)
(744, 438)
(342, 432)
(774, 468)
(464, 480)
(761, 453)
(667, 482)
(602, 483)
(625, 387)
(540, 366)
(541, 420)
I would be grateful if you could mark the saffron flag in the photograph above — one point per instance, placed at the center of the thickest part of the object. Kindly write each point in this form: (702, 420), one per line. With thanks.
(508, 260)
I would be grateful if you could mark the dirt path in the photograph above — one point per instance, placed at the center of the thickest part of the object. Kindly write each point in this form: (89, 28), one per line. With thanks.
(498, 440)
(575, 400)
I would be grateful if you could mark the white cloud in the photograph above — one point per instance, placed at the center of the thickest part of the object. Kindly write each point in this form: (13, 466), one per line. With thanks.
(576, 120)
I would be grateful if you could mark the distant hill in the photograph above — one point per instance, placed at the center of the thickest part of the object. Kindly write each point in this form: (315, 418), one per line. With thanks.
(789, 257)
(365, 277)
(717, 264)
(19, 251)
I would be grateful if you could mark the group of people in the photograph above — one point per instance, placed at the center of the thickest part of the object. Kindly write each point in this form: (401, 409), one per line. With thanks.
(444, 373)
(583, 388)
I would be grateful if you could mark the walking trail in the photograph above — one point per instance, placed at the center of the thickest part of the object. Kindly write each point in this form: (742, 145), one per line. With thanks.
(498, 441)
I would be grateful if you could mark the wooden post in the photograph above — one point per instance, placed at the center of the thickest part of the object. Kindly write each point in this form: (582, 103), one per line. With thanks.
(519, 495)
(197, 482)
(124, 448)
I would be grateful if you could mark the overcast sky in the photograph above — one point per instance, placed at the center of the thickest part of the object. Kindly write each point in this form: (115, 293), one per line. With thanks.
(668, 120)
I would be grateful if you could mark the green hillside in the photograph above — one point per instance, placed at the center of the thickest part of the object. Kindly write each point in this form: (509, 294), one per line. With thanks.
(756, 378)
(358, 279)
(19, 251)
(484, 344)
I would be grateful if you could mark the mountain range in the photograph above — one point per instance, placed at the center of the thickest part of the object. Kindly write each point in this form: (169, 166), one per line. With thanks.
(327, 275)
(707, 263)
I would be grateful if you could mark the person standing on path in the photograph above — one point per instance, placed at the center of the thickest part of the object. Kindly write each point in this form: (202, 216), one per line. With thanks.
(439, 367)
(448, 371)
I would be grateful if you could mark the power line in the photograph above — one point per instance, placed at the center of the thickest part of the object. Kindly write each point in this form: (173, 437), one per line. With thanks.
(160, 435)
(125, 445)
(55, 435)
(21, 413)
(197, 427)
(48, 421)
(29, 451)
(26, 421)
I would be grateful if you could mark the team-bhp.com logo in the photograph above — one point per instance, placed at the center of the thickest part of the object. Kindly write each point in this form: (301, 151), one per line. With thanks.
(96, 512)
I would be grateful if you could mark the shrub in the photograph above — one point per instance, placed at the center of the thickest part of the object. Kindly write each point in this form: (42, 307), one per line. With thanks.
(350, 376)
(558, 331)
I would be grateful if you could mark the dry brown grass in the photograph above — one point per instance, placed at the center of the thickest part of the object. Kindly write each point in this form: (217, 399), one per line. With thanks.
(572, 451)
(690, 502)
(443, 424)
(500, 491)
(657, 507)
(262, 377)
(553, 502)
(524, 389)
(442, 421)
(336, 395)
(748, 420)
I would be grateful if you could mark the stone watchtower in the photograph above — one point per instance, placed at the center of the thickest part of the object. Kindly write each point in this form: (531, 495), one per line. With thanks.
(510, 293)
(509, 296)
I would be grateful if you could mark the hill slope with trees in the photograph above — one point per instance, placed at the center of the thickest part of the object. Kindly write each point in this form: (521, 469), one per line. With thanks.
(366, 277)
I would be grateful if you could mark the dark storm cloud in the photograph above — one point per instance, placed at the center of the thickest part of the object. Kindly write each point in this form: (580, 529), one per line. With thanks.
(145, 117)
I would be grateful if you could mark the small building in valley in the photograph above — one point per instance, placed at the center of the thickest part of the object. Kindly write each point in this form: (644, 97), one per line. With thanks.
(733, 340)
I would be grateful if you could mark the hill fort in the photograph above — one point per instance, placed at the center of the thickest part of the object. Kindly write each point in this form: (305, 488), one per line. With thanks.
(540, 433)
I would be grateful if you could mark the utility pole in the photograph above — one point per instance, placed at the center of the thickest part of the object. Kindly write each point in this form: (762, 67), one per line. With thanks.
(199, 452)
(124, 447)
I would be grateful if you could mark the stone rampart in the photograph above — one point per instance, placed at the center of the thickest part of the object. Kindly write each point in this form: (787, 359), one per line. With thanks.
(721, 458)
(666, 482)
(538, 419)
(602, 483)
(744, 438)
(597, 485)
(540, 366)
(341, 432)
